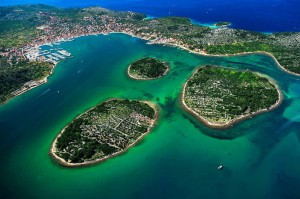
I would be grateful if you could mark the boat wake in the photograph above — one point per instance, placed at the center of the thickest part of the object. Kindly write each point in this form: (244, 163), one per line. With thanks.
(44, 92)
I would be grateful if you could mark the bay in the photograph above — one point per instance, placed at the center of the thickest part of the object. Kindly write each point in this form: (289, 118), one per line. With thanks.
(178, 159)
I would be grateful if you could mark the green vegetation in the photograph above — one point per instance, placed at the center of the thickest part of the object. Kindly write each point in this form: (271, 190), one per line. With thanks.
(22, 27)
(147, 68)
(15, 33)
(223, 23)
(18, 24)
(287, 56)
(12, 78)
(173, 30)
(221, 95)
(108, 128)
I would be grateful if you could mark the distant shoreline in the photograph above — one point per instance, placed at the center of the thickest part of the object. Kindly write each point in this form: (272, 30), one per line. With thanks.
(233, 121)
(203, 53)
(64, 163)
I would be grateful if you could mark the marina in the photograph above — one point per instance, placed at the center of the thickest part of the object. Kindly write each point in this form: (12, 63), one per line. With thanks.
(51, 54)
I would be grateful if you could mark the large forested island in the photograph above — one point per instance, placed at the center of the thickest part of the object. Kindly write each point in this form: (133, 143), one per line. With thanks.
(25, 28)
(147, 68)
(219, 97)
(103, 132)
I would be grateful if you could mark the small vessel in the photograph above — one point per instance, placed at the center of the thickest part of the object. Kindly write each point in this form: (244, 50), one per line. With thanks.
(220, 167)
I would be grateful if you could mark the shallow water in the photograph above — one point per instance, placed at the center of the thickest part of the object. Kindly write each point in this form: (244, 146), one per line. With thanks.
(178, 159)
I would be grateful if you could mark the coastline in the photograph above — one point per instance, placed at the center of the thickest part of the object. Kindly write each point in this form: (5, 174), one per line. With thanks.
(64, 163)
(149, 41)
(45, 79)
(233, 121)
(227, 55)
(39, 83)
(203, 53)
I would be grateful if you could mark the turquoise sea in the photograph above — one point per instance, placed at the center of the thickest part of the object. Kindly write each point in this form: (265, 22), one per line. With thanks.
(178, 159)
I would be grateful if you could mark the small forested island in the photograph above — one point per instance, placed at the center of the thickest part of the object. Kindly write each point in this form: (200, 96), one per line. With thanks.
(104, 131)
(223, 23)
(220, 97)
(147, 68)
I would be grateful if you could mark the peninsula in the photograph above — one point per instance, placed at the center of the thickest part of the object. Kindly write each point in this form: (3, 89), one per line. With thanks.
(147, 68)
(104, 131)
(220, 97)
(25, 28)
(223, 24)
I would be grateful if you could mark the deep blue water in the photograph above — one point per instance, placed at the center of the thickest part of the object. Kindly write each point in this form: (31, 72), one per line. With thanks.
(257, 15)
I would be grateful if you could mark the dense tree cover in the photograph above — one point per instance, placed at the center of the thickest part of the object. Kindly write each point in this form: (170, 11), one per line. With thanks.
(101, 131)
(139, 107)
(228, 93)
(289, 58)
(71, 132)
(169, 21)
(238, 47)
(12, 78)
(148, 68)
